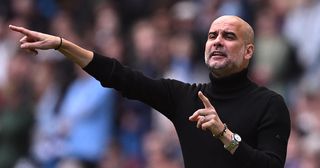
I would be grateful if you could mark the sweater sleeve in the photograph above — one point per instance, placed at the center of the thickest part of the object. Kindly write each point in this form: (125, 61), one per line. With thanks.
(131, 84)
(273, 134)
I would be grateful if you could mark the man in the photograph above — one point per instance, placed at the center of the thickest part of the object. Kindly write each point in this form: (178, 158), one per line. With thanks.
(227, 108)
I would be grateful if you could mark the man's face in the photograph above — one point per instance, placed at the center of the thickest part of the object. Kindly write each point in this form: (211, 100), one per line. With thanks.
(226, 49)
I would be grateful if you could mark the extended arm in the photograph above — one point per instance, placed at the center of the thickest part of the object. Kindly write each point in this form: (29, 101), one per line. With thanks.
(109, 72)
(33, 40)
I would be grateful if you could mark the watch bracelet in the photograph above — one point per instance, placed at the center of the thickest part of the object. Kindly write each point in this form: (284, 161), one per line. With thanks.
(232, 144)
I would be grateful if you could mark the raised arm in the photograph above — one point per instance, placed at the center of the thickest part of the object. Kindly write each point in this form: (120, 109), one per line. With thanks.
(33, 40)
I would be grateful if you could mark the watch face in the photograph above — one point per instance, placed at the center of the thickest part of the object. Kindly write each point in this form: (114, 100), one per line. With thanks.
(237, 137)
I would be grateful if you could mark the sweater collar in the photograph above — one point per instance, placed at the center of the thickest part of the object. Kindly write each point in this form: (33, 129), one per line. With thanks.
(233, 85)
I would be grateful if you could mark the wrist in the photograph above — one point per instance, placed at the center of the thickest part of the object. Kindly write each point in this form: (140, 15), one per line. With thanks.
(59, 44)
(227, 139)
(233, 144)
(221, 134)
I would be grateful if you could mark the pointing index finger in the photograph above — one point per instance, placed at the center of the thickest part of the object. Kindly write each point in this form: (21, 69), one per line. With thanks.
(21, 30)
(204, 100)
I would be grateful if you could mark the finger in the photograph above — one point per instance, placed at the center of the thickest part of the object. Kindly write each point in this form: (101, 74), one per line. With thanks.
(207, 125)
(21, 30)
(204, 100)
(205, 112)
(201, 120)
(31, 45)
(196, 114)
(23, 39)
(194, 118)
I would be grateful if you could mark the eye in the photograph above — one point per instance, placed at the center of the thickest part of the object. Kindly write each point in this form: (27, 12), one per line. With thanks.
(229, 36)
(212, 35)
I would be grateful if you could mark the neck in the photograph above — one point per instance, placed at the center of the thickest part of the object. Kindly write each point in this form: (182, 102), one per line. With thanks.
(230, 85)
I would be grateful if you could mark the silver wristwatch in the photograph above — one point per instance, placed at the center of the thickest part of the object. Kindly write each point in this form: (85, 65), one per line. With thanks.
(235, 140)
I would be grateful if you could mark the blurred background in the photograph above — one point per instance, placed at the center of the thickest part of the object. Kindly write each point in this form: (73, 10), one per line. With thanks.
(53, 115)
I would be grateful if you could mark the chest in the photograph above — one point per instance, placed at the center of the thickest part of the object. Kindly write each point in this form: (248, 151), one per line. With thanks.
(242, 115)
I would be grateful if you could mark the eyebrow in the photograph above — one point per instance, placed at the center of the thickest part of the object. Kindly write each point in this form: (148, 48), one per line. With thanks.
(229, 32)
(224, 32)
(212, 32)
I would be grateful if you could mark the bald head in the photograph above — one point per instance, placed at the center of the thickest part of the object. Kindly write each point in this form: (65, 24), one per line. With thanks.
(242, 25)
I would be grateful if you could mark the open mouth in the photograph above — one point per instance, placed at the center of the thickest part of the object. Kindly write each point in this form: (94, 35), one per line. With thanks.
(218, 54)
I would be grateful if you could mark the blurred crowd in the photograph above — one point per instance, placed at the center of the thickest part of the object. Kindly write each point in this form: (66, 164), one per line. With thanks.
(54, 115)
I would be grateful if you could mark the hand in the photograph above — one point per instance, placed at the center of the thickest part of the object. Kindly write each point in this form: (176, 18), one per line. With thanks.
(207, 118)
(33, 40)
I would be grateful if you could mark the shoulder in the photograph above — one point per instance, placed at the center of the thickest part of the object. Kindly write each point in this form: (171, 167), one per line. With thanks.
(266, 99)
(272, 102)
(265, 93)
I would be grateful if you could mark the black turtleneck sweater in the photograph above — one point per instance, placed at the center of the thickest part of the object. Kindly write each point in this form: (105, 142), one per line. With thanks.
(257, 114)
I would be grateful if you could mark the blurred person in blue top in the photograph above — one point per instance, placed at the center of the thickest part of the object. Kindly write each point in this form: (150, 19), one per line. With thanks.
(88, 114)
(75, 124)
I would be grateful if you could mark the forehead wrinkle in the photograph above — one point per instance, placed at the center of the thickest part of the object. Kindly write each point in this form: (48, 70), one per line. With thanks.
(236, 24)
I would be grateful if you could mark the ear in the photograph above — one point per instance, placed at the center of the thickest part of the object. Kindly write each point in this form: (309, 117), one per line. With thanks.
(249, 51)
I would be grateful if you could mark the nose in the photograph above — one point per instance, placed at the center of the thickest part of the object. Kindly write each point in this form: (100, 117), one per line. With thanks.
(218, 41)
